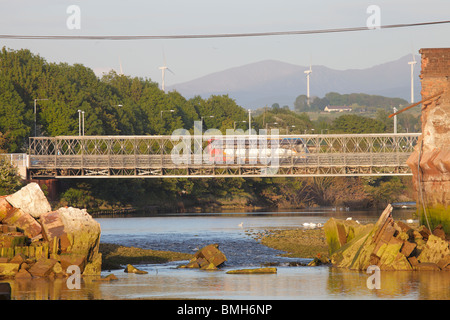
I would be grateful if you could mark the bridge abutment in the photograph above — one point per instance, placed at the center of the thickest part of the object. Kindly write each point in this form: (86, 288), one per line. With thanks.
(430, 161)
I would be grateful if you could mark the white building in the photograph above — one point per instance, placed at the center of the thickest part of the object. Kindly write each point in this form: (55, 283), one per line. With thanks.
(337, 109)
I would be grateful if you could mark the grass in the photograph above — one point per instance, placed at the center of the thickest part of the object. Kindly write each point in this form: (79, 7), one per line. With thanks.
(299, 243)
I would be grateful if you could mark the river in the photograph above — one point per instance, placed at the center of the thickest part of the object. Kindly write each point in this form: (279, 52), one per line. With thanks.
(234, 232)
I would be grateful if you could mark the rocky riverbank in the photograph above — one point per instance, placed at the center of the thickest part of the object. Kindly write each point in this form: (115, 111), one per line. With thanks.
(38, 242)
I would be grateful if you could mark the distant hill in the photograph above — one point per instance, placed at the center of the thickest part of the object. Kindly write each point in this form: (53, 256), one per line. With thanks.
(266, 82)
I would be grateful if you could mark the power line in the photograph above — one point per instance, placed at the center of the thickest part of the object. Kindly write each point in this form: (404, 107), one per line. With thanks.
(220, 35)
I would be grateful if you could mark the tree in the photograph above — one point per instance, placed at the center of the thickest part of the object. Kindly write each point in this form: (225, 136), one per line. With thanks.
(14, 118)
(350, 123)
(301, 103)
(10, 180)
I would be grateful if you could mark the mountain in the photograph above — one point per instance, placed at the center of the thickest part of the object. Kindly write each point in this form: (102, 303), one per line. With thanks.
(266, 82)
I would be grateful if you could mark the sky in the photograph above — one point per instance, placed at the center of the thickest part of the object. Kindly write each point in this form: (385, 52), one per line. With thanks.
(193, 58)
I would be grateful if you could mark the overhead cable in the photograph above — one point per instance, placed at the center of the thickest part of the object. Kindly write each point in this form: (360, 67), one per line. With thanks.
(206, 36)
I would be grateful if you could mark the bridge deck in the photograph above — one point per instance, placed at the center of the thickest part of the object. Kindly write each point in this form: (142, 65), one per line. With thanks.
(190, 156)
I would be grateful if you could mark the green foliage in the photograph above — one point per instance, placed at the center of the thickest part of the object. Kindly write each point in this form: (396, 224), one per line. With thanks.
(384, 190)
(10, 180)
(351, 123)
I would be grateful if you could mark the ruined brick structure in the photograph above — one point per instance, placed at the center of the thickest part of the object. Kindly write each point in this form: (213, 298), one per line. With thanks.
(432, 181)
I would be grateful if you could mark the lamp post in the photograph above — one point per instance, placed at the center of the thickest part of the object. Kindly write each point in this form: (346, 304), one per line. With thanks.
(35, 111)
(79, 121)
(249, 122)
(395, 120)
(82, 115)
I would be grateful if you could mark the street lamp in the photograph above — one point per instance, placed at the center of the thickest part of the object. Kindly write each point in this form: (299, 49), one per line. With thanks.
(35, 130)
(80, 113)
(249, 122)
(395, 120)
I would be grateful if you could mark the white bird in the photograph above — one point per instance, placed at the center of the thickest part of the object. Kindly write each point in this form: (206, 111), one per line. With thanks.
(349, 218)
(240, 225)
(409, 221)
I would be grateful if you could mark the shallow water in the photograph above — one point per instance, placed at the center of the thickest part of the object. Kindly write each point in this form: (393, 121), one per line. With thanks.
(188, 232)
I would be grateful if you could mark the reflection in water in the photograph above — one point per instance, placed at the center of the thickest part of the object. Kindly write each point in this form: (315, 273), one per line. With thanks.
(288, 283)
(183, 233)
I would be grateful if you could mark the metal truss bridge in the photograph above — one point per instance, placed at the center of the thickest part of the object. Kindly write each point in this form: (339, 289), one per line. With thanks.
(159, 156)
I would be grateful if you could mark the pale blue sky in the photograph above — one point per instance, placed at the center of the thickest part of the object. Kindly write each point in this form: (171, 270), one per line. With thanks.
(190, 59)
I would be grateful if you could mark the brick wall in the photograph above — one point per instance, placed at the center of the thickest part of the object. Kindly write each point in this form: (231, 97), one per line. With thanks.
(434, 176)
(435, 77)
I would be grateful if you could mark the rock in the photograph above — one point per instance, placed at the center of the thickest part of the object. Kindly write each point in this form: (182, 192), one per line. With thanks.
(109, 277)
(444, 262)
(74, 232)
(408, 248)
(207, 258)
(253, 271)
(131, 269)
(30, 231)
(5, 207)
(31, 200)
(42, 268)
(427, 266)
(211, 254)
(94, 267)
(9, 270)
(339, 232)
(439, 232)
(392, 246)
(435, 249)
(83, 232)
(318, 261)
(20, 219)
(424, 232)
(18, 258)
(67, 260)
(23, 274)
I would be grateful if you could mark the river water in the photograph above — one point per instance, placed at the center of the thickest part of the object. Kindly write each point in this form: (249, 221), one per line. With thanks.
(234, 232)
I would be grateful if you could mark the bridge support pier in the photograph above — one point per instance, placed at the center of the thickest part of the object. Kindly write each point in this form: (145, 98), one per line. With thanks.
(430, 161)
(49, 186)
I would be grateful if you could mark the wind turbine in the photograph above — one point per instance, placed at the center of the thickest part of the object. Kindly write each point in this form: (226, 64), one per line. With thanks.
(120, 66)
(308, 72)
(163, 72)
(412, 63)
